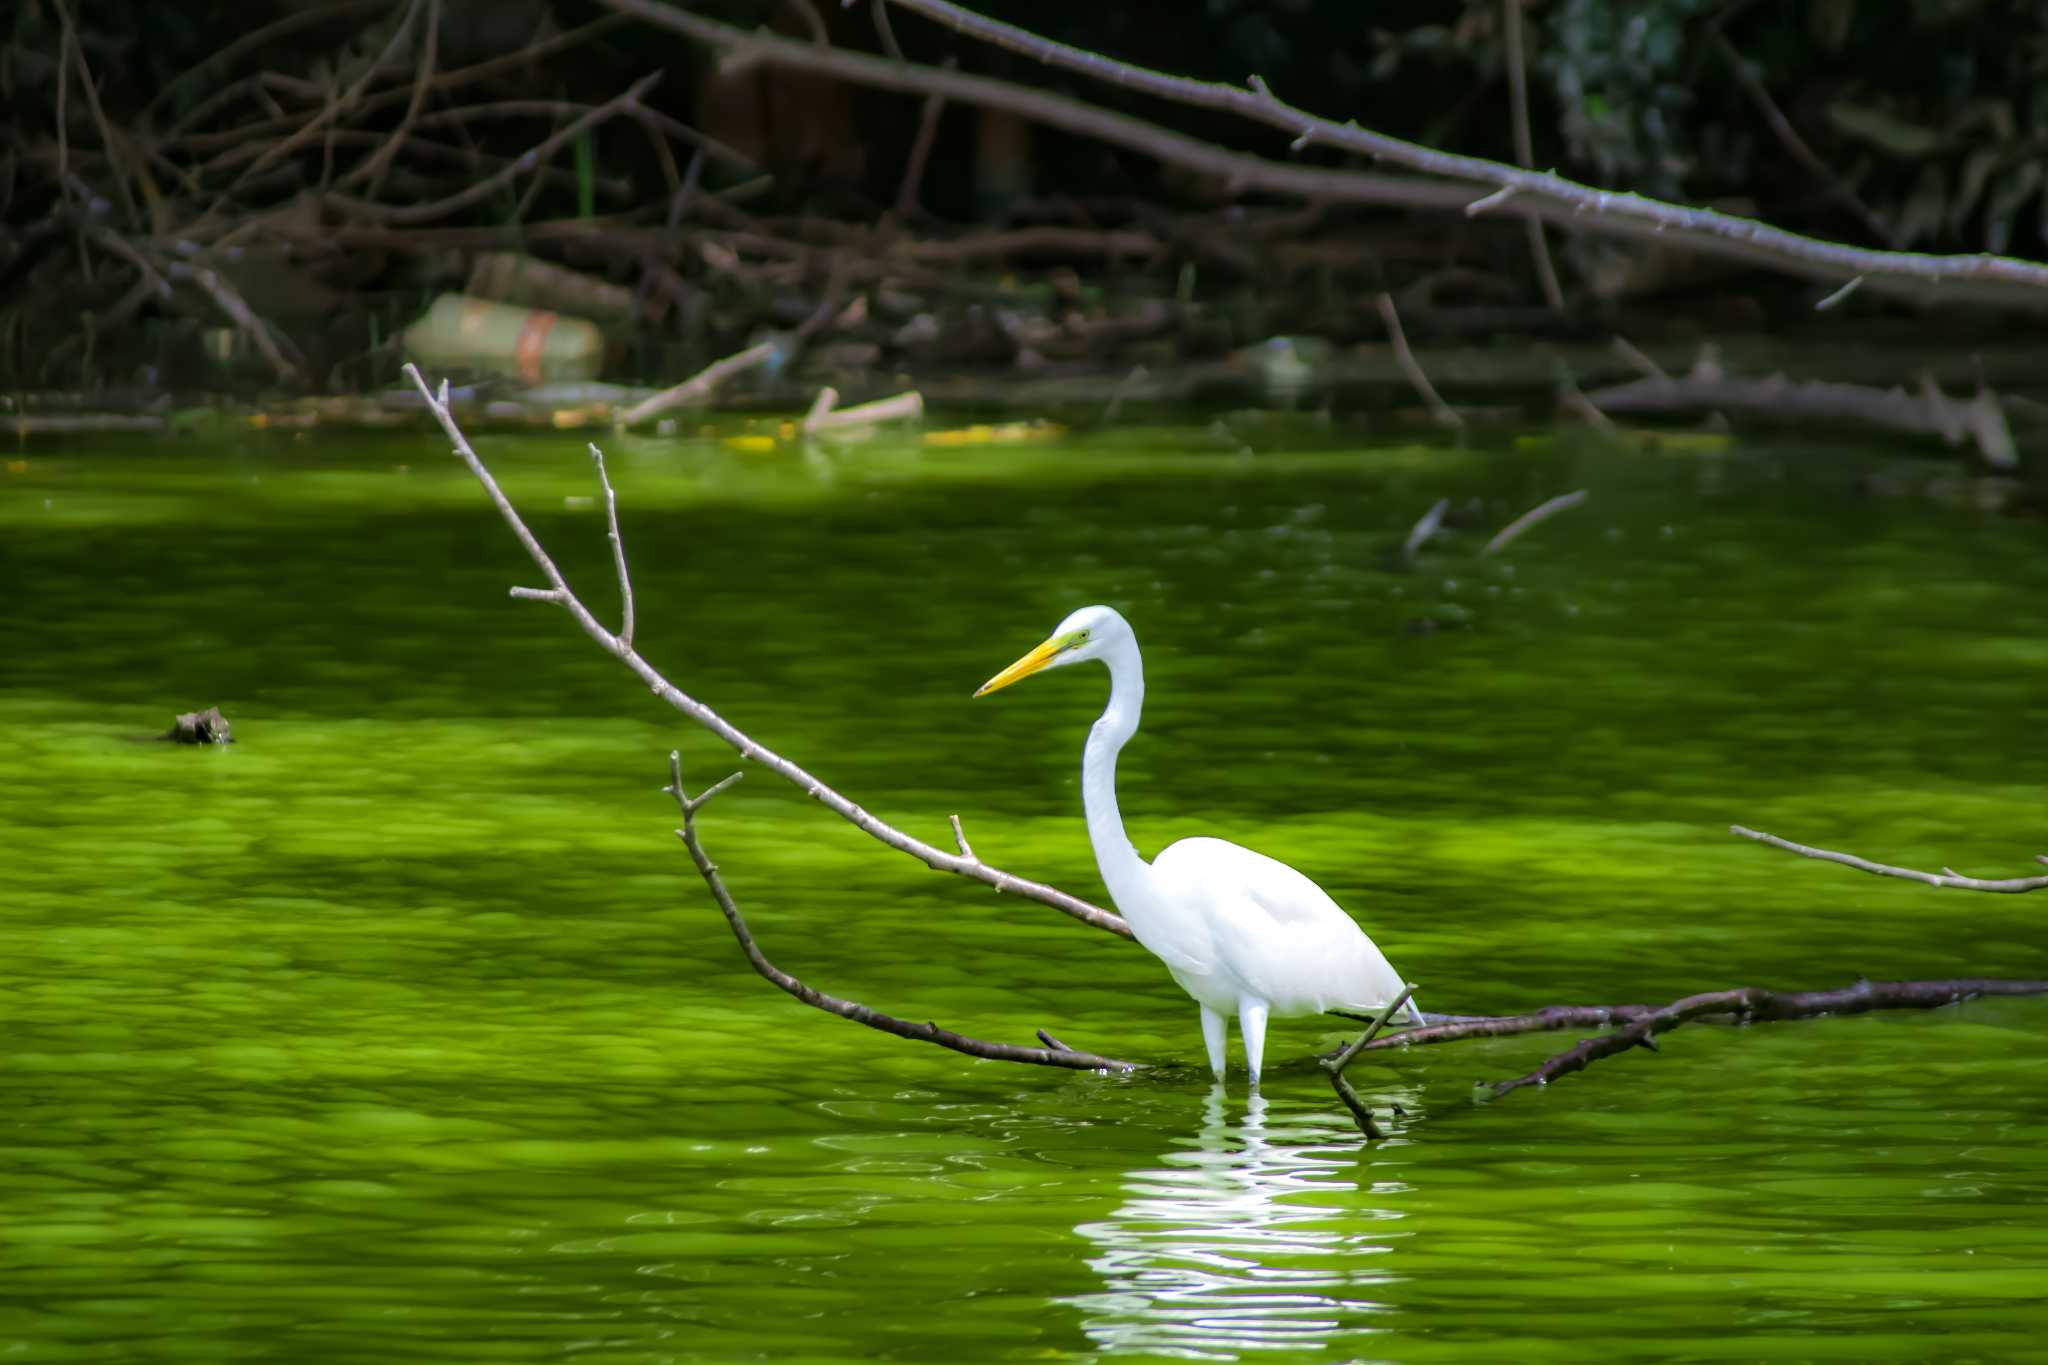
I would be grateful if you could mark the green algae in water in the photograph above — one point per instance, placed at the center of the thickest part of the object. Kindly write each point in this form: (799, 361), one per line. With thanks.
(401, 1029)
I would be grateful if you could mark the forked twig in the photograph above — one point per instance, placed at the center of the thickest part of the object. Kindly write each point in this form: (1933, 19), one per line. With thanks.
(1052, 1054)
(558, 593)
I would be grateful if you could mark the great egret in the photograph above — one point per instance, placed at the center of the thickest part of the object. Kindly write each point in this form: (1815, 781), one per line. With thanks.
(1242, 933)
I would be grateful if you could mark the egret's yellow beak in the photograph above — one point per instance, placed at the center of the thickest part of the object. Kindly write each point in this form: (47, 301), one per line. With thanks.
(1026, 666)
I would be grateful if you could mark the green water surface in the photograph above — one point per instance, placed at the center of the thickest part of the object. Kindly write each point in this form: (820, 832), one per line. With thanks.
(402, 1029)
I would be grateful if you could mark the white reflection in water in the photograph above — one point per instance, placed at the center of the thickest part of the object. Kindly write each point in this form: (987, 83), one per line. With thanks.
(1247, 1239)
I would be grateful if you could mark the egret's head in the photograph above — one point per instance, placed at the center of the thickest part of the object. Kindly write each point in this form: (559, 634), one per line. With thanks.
(1089, 633)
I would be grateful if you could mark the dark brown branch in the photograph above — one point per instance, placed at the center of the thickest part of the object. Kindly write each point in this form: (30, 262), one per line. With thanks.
(1525, 151)
(529, 161)
(1335, 1066)
(1751, 1004)
(1053, 1054)
(559, 593)
(1558, 199)
(373, 170)
(1788, 137)
(343, 103)
(912, 185)
(1947, 877)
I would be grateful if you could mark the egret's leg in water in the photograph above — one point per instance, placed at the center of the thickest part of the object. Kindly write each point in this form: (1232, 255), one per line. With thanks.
(1251, 1023)
(1213, 1028)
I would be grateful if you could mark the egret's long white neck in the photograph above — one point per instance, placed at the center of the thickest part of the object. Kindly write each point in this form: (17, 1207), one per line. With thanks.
(1122, 870)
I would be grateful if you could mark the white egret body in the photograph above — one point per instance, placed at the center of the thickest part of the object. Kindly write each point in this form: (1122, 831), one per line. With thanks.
(1244, 934)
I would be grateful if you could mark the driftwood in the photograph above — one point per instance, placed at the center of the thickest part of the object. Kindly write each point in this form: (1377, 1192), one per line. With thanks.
(1632, 1025)
(1927, 412)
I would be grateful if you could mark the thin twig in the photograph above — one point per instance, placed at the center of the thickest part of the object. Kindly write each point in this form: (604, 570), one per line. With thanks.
(230, 302)
(611, 517)
(1838, 295)
(1440, 411)
(1945, 878)
(699, 385)
(116, 147)
(1789, 138)
(1425, 526)
(1645, 366)
(960, 838)
(1490, 201)
(1525, 152)
(884, 32)
(1535, 516)
(1574, 400)
(748, 748)
(921, 146)
(1050, 1055)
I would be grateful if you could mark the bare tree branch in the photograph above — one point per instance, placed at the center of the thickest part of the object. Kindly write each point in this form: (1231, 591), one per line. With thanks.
(1558, 199)
(559, 593)
(1946, 878)
(1751, 1003)
(1053, 1054)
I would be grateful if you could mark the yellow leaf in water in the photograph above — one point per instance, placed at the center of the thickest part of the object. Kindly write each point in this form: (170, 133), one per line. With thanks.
(751, 445)
(17, 466)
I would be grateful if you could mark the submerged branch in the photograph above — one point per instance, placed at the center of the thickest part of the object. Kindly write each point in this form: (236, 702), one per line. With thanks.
(1053, 1054)
(1335, 1066)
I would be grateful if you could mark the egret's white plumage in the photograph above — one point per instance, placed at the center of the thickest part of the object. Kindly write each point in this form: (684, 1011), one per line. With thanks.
(1244, 934)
